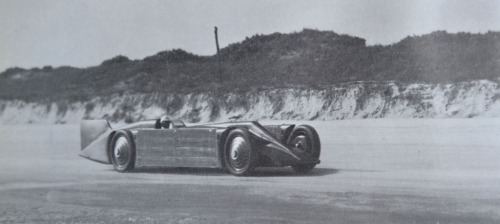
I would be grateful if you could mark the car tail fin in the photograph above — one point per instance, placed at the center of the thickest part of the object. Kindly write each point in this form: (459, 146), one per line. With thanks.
(90, 130)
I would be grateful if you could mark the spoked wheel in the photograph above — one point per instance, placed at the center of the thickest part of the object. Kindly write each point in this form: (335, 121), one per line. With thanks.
(122, 151)
(306, 139)
(238, 154)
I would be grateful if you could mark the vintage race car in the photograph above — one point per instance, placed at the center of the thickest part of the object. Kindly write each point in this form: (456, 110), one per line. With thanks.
(238, 147)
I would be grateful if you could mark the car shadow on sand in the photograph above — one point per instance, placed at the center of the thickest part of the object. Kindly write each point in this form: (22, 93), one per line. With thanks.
(180, 171)
(258, 172)
(287, 171)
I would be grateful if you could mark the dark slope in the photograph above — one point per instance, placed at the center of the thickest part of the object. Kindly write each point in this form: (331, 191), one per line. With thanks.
(307, 58)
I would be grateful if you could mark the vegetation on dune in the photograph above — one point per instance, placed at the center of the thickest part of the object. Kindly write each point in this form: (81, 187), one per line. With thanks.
(308, 58)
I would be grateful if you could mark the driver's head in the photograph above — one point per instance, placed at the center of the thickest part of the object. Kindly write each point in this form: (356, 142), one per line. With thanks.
(164, 121)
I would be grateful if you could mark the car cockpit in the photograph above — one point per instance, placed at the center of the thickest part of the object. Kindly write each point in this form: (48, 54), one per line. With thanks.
(165, 123)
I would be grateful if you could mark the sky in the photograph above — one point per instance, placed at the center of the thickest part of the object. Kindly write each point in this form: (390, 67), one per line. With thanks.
(35, 33)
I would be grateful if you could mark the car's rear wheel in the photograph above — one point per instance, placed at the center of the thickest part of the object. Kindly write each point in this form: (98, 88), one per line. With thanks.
(122, 151)
(306, 139)
(239, 157)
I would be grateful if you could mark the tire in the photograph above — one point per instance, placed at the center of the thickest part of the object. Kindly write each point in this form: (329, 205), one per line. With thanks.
(239, 157)
(122, 151)
(307, 140)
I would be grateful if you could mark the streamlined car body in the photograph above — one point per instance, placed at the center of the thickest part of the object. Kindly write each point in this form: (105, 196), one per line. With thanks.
(238, 147)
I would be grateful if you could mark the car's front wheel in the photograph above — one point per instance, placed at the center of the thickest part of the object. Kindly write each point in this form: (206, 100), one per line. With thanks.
(306, 139)
(239, 157)
(122, 151)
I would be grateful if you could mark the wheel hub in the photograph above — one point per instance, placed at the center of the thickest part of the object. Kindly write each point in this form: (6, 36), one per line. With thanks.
(236, 146)
(300, 142)
(234, 154)
(120, 151)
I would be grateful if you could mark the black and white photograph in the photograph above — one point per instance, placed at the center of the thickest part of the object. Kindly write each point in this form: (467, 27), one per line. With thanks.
(250, 111)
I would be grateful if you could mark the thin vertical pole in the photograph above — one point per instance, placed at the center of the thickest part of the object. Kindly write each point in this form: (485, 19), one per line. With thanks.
(218, 56)
(216, 39)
